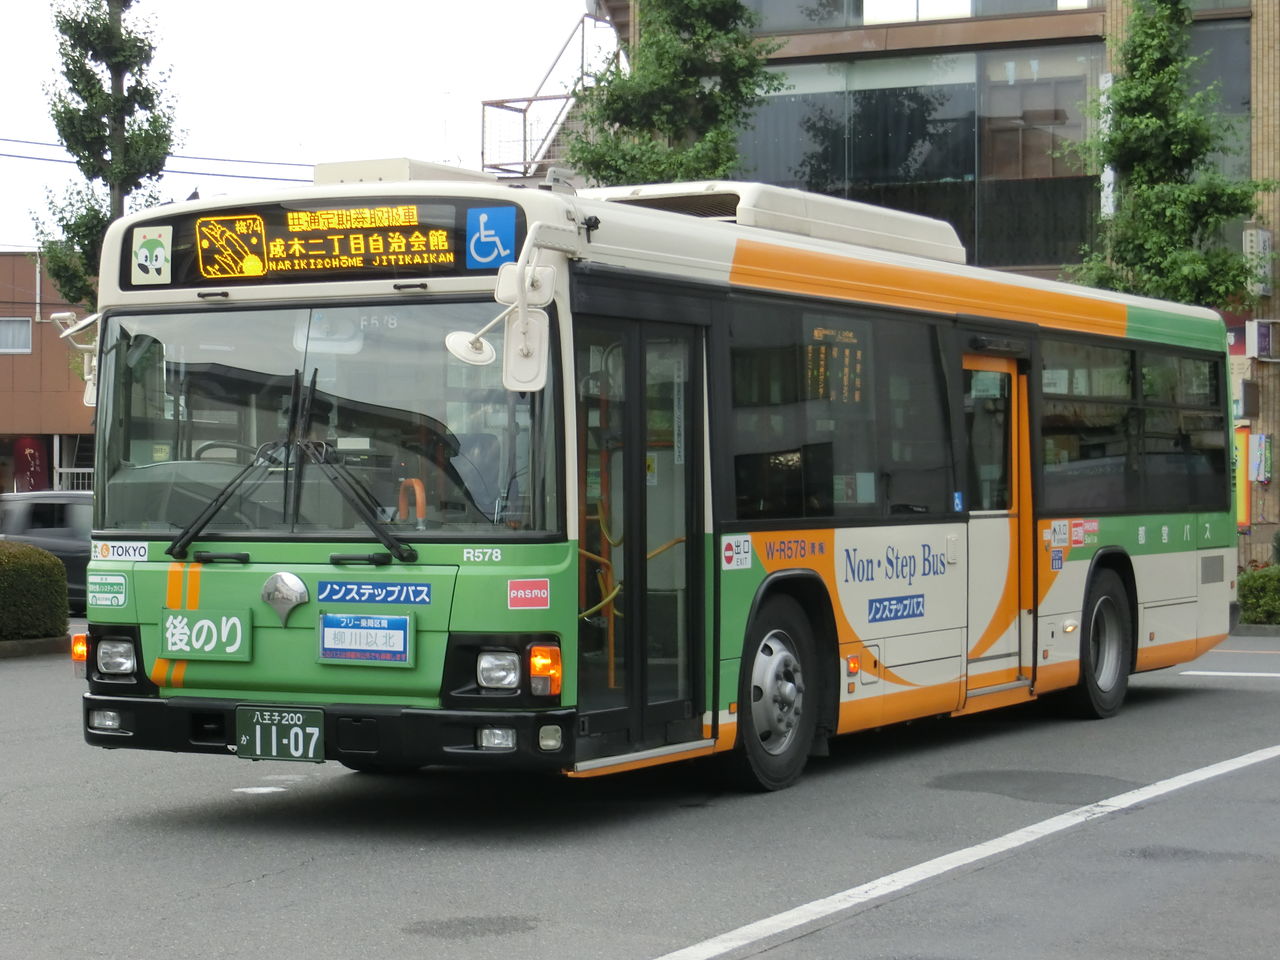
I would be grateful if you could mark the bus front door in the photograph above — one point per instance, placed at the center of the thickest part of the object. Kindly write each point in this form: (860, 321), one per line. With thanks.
(638, 402)
(999, 514)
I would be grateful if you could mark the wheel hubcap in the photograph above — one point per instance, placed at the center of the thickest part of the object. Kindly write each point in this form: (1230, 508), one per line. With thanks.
(1104, 643)
(777, 692)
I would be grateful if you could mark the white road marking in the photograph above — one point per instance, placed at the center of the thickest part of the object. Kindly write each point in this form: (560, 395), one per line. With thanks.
(828, 907)
(1271, 653)
(1226, 673)
(258, 790)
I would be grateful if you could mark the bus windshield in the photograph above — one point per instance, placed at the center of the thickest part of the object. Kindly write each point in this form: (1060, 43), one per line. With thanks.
(317, 421)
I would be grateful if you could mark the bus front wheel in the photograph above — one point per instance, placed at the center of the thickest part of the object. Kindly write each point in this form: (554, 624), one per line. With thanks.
(1106, 635)
(777, 696)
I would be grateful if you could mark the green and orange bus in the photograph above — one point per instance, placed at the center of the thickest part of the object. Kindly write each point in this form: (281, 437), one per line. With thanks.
(408, 469)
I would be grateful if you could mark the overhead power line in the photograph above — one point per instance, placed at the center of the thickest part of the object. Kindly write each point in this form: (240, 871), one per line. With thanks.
(174, 156)
(185, 173)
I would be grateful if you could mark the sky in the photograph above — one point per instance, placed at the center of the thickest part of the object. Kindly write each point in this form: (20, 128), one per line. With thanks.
(295, 82)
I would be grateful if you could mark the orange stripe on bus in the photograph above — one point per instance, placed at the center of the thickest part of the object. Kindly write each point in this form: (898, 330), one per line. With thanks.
(771, 267)
(1057, 676)
(625, 765)
(193, 586)
(728, 738)
(1205, 644)
(993, 701)
(1166, 654)
(179, 674)
(1005, 614)
(1026, 529)
(158, 671)
(936, 699)
(173, 588)
(993, 678)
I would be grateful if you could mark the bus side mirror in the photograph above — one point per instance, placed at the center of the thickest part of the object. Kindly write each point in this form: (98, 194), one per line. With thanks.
(524, 351)
(539, 285)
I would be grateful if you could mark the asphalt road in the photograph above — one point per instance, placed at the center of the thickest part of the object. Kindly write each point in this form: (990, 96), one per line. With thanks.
(138, 855)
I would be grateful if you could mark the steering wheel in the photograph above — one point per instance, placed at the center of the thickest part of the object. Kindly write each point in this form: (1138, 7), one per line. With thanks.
(244, 452)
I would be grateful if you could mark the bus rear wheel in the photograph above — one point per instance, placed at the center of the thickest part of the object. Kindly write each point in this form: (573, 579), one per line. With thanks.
(1106, 638)
(777, 704)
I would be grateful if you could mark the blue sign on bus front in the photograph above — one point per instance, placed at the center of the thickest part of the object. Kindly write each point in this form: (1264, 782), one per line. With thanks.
(359, 591)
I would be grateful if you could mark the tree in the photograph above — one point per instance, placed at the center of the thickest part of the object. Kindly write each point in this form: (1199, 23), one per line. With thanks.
(696, 73)
(115, 125)
(1165, 237)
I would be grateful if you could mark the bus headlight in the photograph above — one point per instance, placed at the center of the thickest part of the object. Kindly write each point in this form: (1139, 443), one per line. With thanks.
(498, 671)
(116, 657)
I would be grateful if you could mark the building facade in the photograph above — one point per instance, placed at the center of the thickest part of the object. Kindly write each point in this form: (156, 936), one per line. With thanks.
(962, 110)
(46, 431)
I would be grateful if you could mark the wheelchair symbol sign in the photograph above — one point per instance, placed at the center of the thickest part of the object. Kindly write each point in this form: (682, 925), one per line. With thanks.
(491, 237)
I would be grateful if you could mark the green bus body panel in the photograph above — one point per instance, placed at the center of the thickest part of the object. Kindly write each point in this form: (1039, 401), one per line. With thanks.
(1177, 329)
(466, 596)
(736, 595)
(1152, 534)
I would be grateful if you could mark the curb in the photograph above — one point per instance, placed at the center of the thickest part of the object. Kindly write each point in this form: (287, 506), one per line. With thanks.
(1256, 630)
(36, 647)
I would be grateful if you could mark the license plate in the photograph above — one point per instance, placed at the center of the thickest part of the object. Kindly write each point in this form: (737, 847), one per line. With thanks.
(279, 733)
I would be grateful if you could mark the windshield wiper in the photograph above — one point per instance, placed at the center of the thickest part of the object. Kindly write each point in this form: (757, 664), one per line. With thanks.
(352, 490)
(263, 458)
(357, 495)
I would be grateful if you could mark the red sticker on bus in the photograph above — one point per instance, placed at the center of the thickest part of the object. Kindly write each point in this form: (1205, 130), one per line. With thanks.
(528, 594)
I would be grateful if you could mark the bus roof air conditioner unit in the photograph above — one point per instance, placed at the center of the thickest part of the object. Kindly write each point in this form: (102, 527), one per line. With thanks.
(785, 210)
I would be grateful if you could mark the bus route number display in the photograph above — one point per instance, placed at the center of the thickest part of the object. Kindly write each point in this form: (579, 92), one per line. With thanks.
(277, 243)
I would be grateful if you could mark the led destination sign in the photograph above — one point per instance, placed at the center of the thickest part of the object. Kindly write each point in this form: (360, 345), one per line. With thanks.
(286, 243)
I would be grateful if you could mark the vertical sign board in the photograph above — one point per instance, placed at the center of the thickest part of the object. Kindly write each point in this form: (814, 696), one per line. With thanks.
(1244, 518)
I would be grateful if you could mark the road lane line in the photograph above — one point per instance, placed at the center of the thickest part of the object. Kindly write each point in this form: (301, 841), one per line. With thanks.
(1268, 653)
(829, 907)
(1226, 673)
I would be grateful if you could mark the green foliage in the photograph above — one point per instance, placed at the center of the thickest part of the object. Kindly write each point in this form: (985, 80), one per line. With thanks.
(1259, 594)
(72, 251)
(115, 125)
(33, 593)
(1166, 236)
(695, 77)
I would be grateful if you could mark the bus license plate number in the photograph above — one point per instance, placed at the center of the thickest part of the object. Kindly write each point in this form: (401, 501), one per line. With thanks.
(279, 733)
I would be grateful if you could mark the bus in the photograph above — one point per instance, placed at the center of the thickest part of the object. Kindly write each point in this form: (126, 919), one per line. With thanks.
(412, 468)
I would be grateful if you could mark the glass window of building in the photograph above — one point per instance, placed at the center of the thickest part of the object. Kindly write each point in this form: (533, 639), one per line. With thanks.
(1223, 48)
(975, 139)
(793, 16)
(15, 334)
(1035, 203)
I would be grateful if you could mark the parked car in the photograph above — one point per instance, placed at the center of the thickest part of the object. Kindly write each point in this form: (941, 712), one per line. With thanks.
(59, 521)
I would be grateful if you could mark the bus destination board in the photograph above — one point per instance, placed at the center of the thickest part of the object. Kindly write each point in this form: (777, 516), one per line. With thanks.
(330, 240)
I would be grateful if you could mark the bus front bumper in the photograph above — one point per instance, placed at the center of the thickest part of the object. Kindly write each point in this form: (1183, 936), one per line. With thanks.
(359, 735)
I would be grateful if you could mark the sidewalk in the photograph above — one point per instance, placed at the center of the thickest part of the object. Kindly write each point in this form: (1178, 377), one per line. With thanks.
(32, 648)
(43, 646)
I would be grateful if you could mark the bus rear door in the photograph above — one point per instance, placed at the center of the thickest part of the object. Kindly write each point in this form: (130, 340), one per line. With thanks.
(995, 415)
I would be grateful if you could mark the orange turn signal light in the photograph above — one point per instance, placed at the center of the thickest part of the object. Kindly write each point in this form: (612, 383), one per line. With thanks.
(545, 670)
(80, 647)
(852, 665)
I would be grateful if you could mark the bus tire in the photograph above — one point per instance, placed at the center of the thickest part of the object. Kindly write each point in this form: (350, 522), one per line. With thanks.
(777, 697)
(1106, 640)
